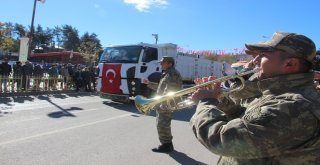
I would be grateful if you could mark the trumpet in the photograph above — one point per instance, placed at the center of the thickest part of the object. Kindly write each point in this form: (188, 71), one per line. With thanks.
(144, 105)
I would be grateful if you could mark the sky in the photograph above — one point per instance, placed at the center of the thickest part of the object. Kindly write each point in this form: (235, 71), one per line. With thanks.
(191, 24)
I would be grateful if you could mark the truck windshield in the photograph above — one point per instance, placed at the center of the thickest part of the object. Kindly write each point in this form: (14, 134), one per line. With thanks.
(121, 54)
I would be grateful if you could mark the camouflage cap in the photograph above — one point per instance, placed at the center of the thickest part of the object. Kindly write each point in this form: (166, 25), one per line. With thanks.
(295, 44)
(251, 52)
(167, 59)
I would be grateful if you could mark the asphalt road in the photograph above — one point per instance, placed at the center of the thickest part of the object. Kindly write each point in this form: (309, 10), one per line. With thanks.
(83, 129)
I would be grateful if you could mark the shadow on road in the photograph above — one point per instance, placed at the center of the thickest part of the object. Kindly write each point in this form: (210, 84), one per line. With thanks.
(15, 99)
(10, 100)
(182, 158)
(64, 113)
(121, 106)
(185, 114)
(6, 100)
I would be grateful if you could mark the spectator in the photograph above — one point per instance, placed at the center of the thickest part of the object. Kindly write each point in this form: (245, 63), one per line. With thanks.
(71, 74)
(17, 74)
(27, 73)
(86, 79)
(93, 76)
(78, 78)
(38, 75)
(53, 75)
(64, 72)
(5, 71)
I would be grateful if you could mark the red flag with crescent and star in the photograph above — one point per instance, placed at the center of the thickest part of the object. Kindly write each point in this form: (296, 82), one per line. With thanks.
(111, 77)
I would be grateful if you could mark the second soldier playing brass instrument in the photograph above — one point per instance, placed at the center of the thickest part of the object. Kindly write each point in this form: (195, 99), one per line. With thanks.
(173, 99)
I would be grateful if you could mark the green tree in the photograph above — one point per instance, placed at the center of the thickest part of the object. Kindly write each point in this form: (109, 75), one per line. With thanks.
(45, 40)
(90, 47)
(42, 39)
(20, 30)
(57, 40)
(7, 42)
(71, 40)
(3, 33)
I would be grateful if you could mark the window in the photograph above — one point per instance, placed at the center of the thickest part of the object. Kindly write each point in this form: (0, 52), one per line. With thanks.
(121, 54)
(150, 54)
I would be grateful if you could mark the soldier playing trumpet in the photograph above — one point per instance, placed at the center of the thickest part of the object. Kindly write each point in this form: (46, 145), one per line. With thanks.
(278, 125)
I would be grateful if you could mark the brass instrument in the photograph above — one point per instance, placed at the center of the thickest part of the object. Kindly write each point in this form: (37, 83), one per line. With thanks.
(144, 105)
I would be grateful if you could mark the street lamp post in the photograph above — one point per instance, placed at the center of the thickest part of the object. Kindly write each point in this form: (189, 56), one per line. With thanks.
(155, 37)
(32, 26)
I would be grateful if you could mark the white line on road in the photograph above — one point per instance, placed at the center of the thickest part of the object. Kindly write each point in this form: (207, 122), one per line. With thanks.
(64, 129)
(23, 120)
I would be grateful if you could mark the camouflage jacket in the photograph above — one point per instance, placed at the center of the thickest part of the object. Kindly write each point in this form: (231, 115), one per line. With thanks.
(279, 127)
(235, 103)
(170, 81)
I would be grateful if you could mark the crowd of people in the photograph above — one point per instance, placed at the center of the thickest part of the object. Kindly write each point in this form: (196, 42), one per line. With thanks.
(34, 76)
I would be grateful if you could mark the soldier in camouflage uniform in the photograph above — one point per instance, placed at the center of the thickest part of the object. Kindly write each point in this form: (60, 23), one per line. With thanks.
(280, 127)
(170, 81)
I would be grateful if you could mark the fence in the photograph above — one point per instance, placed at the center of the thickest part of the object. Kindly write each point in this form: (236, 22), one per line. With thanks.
(23, 84)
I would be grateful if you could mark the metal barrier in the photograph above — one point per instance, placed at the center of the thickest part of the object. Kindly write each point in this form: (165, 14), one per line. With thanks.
(21, 84)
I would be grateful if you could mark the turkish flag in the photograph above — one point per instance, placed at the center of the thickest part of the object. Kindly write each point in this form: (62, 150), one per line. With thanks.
(111, 78)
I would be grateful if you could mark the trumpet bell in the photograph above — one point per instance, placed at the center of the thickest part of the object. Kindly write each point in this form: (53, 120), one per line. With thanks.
(142, 104)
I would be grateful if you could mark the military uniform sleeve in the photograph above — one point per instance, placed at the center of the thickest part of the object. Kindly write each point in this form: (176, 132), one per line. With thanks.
(231, 108)
(234, 104)
(265, 130)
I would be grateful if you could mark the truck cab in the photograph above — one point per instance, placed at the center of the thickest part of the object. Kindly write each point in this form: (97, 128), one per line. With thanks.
(125, 70)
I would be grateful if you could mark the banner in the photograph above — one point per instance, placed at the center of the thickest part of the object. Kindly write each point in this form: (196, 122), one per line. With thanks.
(235, 51)
(24, 46)
(111, 78)
(71, 54)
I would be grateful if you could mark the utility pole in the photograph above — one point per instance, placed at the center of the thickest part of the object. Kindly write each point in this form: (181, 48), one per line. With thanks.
(32, 26)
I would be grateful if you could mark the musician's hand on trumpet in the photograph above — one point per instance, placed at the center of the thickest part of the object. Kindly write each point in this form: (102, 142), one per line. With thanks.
(211, 91)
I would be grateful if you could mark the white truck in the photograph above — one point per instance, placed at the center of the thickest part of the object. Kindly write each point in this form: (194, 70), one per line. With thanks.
(128, 70)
